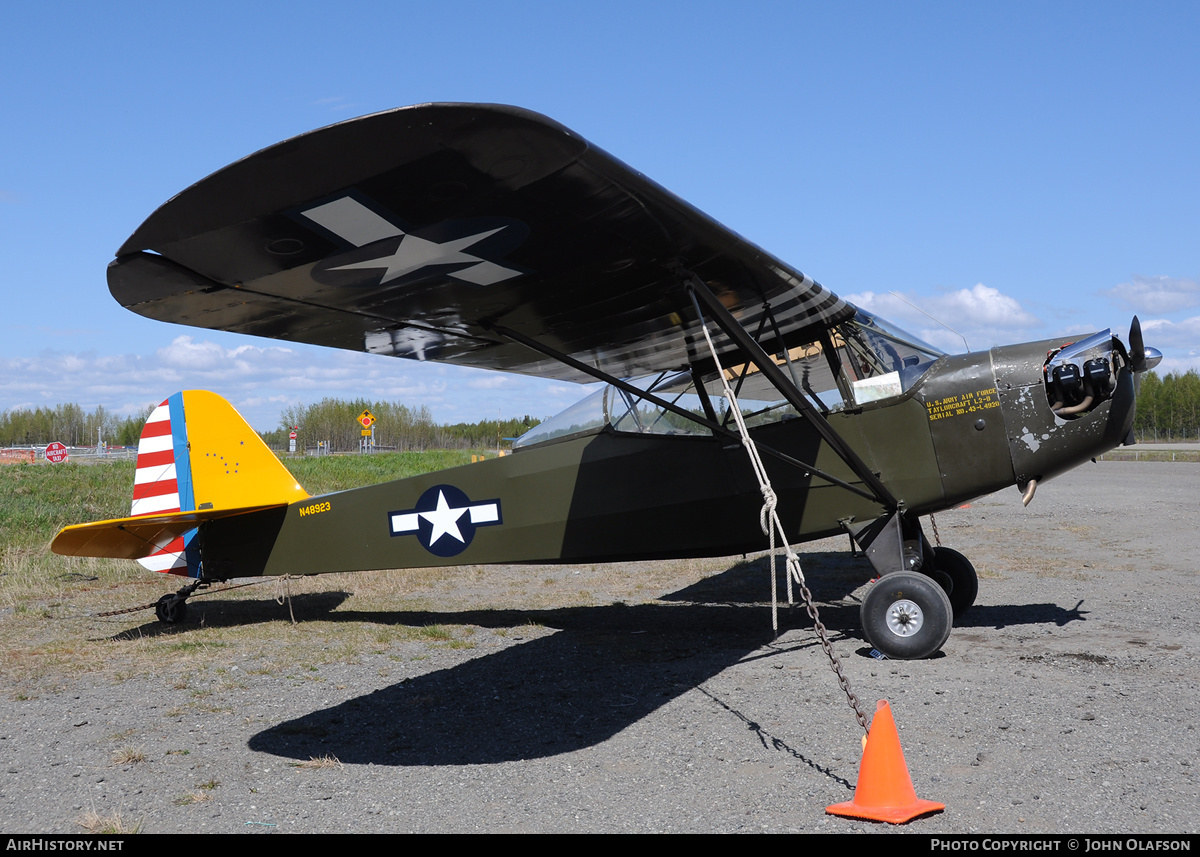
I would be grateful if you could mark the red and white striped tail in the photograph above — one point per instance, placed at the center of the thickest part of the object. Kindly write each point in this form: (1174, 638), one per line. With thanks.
(157, 484)
(198, 461)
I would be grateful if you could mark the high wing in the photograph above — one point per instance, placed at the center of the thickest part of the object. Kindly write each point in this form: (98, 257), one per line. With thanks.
(482, 235)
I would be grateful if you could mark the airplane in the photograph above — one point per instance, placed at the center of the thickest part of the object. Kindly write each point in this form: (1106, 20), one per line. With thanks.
(735, 389)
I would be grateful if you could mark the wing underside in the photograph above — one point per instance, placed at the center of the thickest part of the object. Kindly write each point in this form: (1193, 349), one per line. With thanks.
(431, 232)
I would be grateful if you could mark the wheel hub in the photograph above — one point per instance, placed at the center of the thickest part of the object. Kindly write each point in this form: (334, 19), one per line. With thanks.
(904, 618)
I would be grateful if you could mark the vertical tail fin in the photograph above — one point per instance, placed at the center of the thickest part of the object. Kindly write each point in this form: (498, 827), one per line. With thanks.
(196, 452)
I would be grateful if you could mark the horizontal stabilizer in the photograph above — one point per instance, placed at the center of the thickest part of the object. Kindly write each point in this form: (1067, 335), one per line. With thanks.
(139, 537)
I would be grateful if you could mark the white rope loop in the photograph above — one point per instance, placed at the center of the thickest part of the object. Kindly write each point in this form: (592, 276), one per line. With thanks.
(768, 517)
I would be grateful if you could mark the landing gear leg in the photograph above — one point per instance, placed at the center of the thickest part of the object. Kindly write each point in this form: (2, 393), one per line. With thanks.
(907, 614)
(172, 608)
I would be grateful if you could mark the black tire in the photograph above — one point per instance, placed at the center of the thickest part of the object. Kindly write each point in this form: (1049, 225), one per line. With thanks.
(170, 609)
(906, 616)
(964, 582)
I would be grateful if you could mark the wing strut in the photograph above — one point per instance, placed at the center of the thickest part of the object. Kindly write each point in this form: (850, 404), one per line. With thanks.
(701, 293)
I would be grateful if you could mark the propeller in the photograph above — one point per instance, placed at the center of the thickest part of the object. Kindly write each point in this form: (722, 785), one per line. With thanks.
(1141, 358)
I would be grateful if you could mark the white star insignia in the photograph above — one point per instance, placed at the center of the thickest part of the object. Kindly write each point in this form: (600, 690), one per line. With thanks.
(452, 526)
(353, 222)
(444, 520)
(413, 254)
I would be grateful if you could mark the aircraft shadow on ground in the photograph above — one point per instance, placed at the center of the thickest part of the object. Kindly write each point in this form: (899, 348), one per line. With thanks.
(605, 669)
(215, 612)
(1010, 615)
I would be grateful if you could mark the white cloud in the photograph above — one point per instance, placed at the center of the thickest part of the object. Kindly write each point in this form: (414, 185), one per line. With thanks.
(1158, 294)
(261, 381)
(1177, 365)
(982, 314)
(491, 382)
(1162, 333)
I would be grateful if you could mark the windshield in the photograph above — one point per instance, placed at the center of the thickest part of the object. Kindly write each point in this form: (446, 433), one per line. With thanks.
(879, 359)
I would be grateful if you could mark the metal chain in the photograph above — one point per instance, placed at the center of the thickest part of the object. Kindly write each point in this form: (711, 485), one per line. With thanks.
(108, 613)
(197, 594)
(771, 524)
(936, 537)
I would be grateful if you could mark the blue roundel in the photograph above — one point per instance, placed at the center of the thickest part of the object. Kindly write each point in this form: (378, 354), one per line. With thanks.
(444, 520)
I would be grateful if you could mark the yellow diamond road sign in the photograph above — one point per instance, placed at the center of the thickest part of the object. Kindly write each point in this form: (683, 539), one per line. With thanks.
(366, 418)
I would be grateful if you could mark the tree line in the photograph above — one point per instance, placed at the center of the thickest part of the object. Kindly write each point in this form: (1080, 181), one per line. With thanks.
(1168, 408)
(397, 427)
(71, 425)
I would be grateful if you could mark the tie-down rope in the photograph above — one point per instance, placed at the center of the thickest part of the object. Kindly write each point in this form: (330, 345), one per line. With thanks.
(768, 519)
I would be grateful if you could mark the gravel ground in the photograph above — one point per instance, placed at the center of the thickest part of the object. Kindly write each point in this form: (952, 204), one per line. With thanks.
(1065, 701)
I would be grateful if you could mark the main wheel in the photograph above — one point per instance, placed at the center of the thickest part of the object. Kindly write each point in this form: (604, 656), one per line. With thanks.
(964, 582)
(906, 616)
(170, 609)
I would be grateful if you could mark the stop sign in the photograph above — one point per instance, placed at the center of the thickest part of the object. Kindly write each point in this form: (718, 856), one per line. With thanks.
(56, 452)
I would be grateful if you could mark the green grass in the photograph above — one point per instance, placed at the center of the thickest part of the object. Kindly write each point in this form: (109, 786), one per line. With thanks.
(321, 475)
(44, 597)
(52, 630)
(36, 500)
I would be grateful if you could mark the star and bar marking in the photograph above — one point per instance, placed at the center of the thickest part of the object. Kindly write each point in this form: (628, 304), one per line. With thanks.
(358, 225)
(444, 520)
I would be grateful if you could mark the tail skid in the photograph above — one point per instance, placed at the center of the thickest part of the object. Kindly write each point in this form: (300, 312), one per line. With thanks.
(198, 461)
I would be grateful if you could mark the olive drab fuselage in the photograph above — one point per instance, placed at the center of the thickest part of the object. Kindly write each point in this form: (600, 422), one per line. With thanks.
(973, 424)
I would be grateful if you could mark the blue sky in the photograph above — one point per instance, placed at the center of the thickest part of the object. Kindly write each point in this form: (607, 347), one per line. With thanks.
(1019, 170)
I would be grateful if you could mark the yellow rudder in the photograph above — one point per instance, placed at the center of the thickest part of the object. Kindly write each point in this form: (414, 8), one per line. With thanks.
(231, 466)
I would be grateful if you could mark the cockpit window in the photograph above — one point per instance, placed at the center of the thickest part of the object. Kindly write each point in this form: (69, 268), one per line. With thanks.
(626, 412)
(872, 360)
(879, 359)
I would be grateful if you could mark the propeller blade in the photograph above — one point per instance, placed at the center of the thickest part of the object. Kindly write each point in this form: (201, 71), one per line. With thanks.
(1137, 348)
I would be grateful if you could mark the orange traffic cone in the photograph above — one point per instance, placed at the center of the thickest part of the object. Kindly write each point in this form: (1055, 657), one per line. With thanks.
(885, 791)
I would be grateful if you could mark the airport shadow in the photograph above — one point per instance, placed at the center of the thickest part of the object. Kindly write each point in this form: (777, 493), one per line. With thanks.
(602, 670)
(831, 576)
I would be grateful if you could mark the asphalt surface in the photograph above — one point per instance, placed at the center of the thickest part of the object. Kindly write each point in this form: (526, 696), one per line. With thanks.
(1066, 701)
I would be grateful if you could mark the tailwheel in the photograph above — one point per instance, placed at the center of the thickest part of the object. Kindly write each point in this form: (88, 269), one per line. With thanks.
(964, 583)
(170, 609)
(907, 616)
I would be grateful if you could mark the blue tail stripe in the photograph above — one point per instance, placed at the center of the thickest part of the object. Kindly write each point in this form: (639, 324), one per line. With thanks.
(183, 478)
(183, 462)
